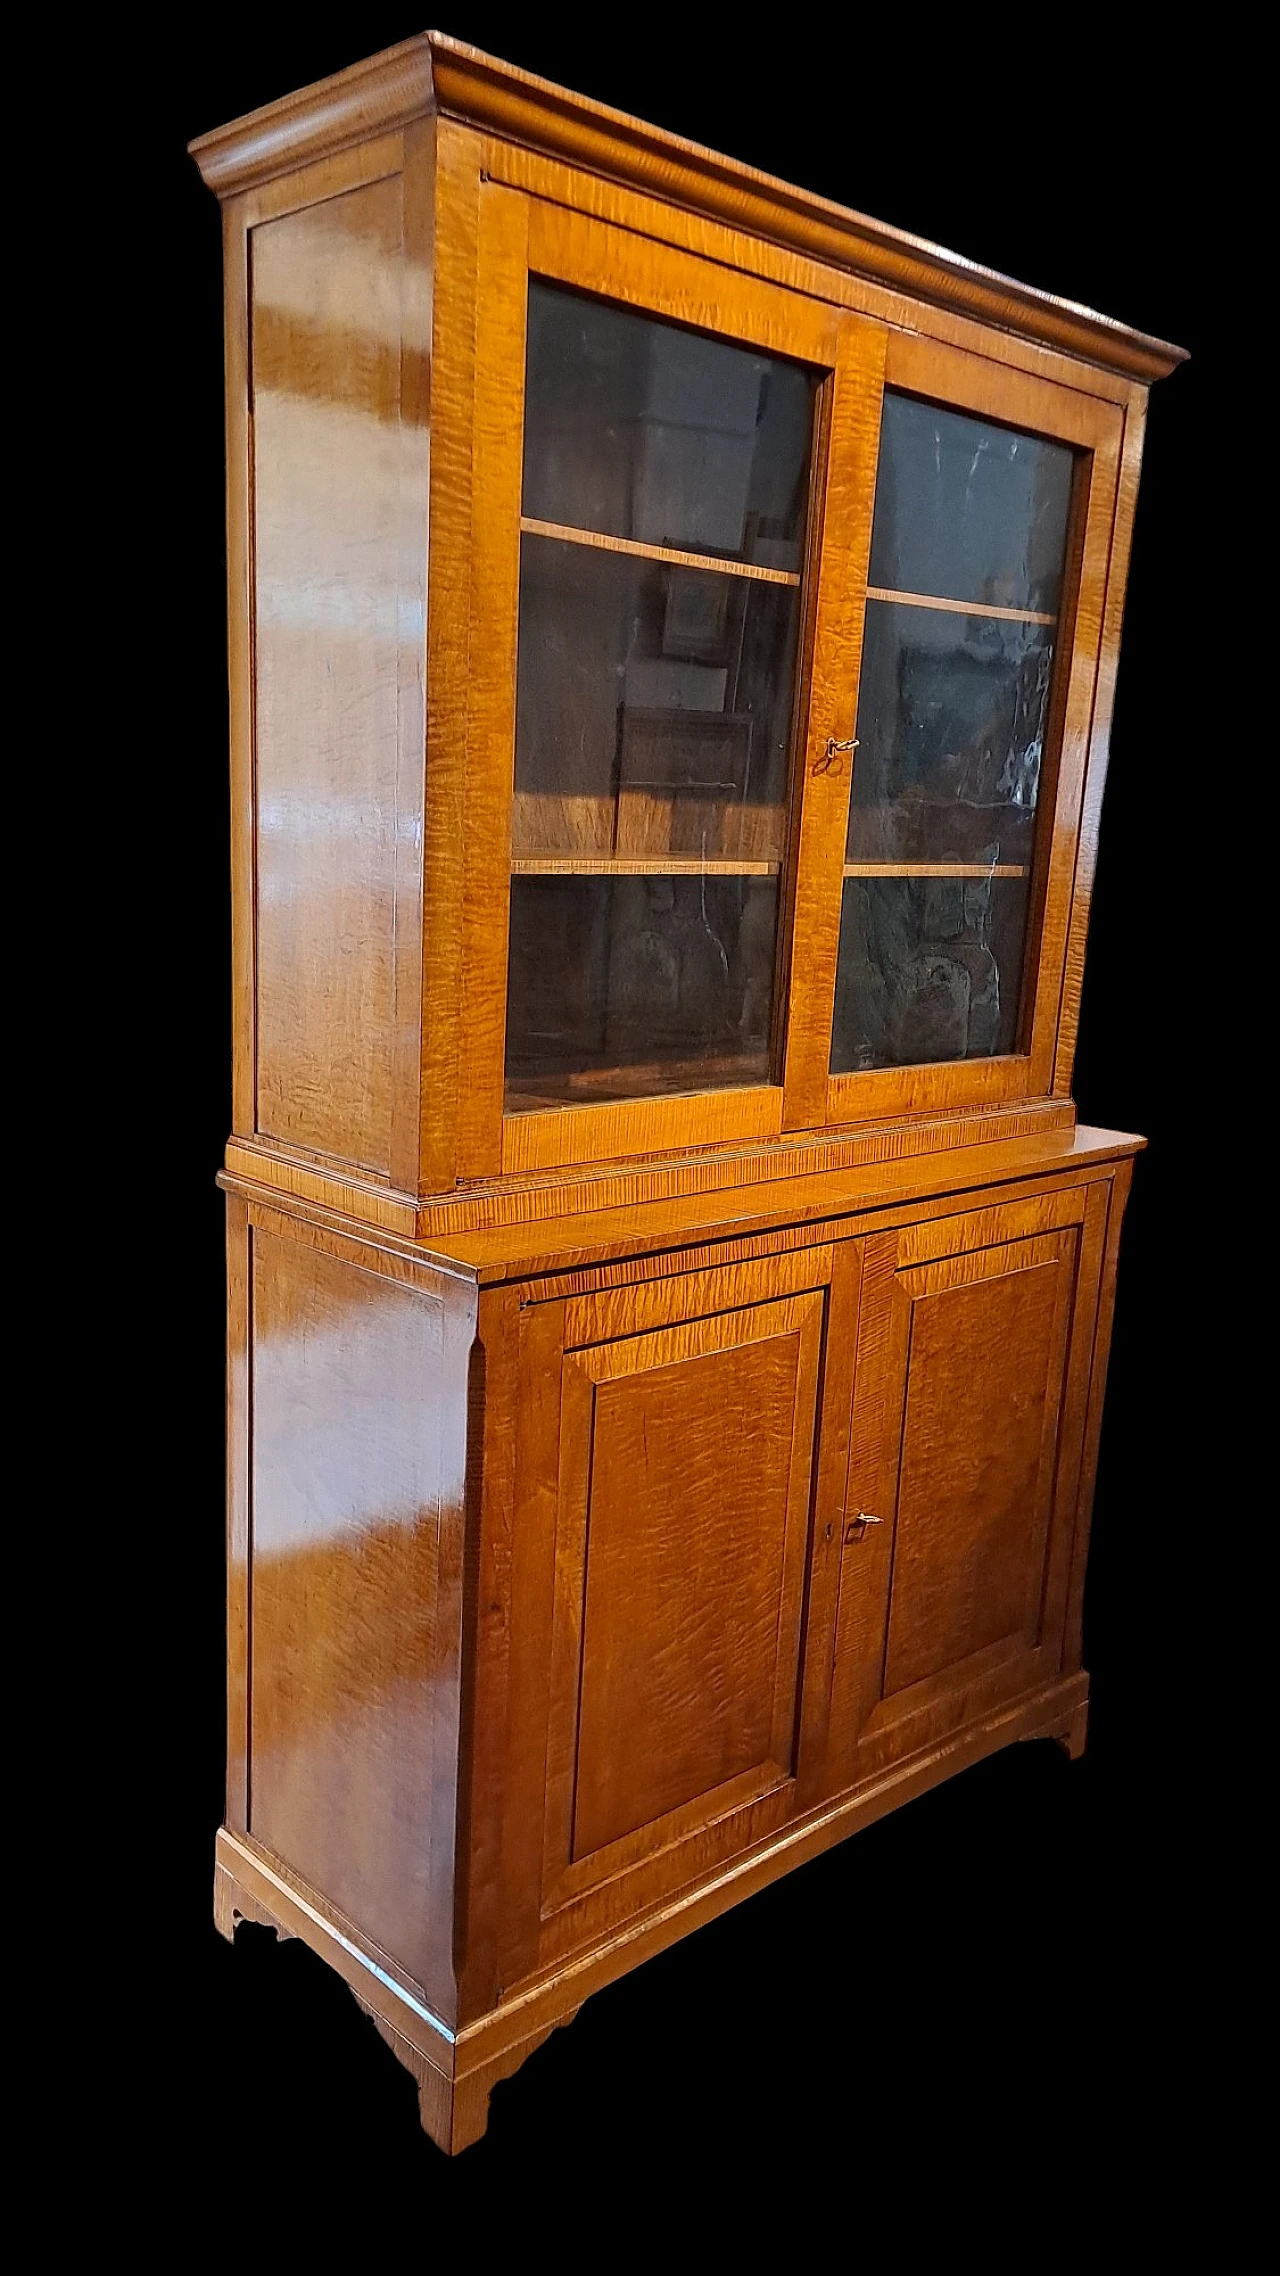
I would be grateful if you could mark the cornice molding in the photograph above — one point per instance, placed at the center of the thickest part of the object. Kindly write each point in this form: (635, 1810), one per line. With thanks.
(434, 72)
(375, 97)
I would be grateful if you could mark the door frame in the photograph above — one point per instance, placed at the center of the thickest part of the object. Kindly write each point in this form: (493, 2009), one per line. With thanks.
(960, 380)
(520, 236)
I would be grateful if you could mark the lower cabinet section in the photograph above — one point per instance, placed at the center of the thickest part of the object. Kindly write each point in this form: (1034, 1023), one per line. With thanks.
(780, 1524)
(566, 1610)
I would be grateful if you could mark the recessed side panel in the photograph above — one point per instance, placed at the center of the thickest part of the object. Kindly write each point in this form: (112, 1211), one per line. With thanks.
(350, 1658)
(685, 1571)
(339, 543)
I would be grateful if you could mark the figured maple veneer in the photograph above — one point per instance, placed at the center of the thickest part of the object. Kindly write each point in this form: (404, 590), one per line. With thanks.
(339, 510)
(973, 1505)
(686, 1461)
(557, 1607)
(661, 1433)
(974, 1350)
(354, 1404)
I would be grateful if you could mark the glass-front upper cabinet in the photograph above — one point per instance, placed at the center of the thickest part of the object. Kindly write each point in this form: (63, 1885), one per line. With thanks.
(664, 509)
(965, 593)
(781, 706)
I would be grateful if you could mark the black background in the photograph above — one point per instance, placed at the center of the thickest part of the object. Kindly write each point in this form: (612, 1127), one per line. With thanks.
(1002, 1973)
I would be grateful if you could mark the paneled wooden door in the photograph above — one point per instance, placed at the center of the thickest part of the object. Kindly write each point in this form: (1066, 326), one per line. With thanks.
(673, 473)
(678, 1501)
(971, 1386)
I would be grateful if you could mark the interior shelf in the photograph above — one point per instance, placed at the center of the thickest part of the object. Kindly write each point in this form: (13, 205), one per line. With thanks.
(958, 608)
(641, 865)
(568, 535)
(935, 869)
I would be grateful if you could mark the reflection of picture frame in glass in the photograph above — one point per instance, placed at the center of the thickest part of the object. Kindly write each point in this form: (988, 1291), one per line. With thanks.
(680, 774)
(696, 623)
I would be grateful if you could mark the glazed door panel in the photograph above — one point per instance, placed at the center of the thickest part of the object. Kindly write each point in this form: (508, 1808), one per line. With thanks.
(994, 500)
(968, 1418)
(665, 1501)
(674, 473)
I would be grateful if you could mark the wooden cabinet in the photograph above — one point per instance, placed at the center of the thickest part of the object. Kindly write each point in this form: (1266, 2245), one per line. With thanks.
(674, 627)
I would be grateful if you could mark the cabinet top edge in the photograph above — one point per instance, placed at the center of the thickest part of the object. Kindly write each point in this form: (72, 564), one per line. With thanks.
(550, 1245)
(487, 1257)
(434, 73)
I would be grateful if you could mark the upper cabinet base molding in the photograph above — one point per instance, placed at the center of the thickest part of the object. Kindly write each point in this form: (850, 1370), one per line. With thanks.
(673, 635)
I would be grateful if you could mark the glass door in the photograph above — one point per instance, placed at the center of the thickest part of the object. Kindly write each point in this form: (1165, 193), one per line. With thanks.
(664, 513)
(973, 700)
(770, 814)
(683, 481)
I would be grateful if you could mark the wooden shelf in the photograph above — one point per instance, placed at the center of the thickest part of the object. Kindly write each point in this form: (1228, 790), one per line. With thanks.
(639, 865)
(958, 608)
(616, 1081)
(935, 869)
(632, 545)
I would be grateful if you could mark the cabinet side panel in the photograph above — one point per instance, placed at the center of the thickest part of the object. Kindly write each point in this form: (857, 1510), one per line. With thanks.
(352, 1657)
(337, 629)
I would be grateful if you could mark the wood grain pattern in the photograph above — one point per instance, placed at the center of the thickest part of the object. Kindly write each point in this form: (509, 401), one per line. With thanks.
(1099, 745)
(557, 1619)
(641, 552)
(327, 338)
(383, 91)
(453, 381)
(934, 869)
(994, 390)
(958, 608)
(594, 1186)
(737, 248)
(348, 1665)
(638, 865)
(826, 706)
(239, 446)
(675, 1578)
(694, 1489)
(970, 1399)
(1073, 1636)
(401, 84)
(413, 547)
(530, 111)
(975, 384)
(973, 1506)
(239, 1512)
(572, 248)
(562, 1135)
(463, 2065)
(1065, 761)
(497, 449)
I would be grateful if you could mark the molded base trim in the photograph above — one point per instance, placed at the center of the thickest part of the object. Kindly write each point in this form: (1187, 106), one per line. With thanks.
(456, 2071)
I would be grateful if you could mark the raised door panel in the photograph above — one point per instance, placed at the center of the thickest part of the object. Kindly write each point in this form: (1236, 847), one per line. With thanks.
(338, 521)
(686, 1472)
(663, 1522)
(971, 1390)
